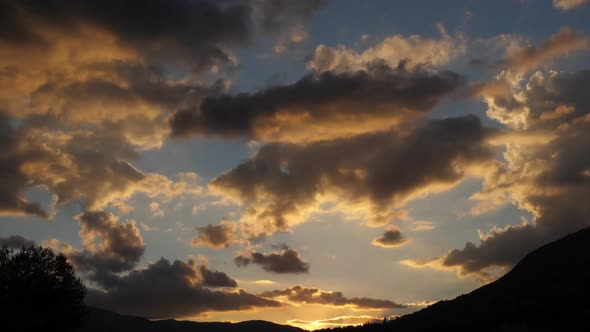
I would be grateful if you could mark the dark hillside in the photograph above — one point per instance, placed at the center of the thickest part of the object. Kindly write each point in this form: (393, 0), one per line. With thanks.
(108, 321)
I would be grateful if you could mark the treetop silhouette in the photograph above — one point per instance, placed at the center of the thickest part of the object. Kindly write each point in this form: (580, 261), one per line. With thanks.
(39, 290)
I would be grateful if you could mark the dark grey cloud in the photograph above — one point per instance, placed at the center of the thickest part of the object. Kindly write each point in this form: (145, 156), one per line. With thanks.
(14, 180)
(286, 261)
(15, 242)
(378, 170)
(328, 101)
(547, 93)
(299, 294)
(216, 236)
(499, 250)
(168, 290)
(109, 246)
(194, 31)
(211, 278)
(392, 237)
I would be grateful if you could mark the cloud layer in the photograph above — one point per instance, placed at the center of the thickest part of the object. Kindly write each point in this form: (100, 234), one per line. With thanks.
(286, 261)
(545, 176)
(299, 294)
(544, 172)
(374, 173)
(182, 291)
(337, 104)
(72, 117)
(413, 51)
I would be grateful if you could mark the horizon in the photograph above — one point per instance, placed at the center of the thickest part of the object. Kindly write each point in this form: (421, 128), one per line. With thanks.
(315, 163)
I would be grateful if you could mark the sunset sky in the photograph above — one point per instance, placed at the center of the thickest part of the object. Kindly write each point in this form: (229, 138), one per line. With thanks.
(306, 162)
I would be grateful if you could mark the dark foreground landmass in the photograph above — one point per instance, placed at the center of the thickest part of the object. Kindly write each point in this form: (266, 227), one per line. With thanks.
(108, 321)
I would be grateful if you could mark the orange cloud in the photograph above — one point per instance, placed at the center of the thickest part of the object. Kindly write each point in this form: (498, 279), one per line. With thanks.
(411, 50)
(302, 295)
(374, 173)
(569, 4)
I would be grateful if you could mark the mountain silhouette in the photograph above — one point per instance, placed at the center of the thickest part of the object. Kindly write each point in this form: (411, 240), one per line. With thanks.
(548, 290)
(100, 320)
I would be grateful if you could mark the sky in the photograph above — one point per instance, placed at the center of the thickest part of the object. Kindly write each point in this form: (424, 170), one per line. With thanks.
(313, 163)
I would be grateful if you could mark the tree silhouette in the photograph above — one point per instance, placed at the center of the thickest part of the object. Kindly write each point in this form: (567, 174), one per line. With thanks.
(39, 290)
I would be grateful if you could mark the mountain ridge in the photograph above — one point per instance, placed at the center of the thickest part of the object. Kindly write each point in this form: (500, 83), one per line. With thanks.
(104, 320)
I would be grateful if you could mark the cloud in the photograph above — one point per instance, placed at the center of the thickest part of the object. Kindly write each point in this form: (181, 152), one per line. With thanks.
(329, 102)
(425, 303)
(86, 87)
(180, 292)
(568, 4)
(563, 42)
(391, 238)
(185, 30)
(522, 60)
(216, 278)
(547, 99)
(298, 294)
(46, 59)
(373, 173)
(546, 177)
(112, 248)
(14, 181)
(216, 236)
(122, 97)
(413, 50)
(156, 209)
(264, 282)
(118, 85)
(287, 19)
(15, 242)
(286, 261)
(420, 263)
(91, 168)
(339, 321)
(422, 226)
(108, 246)
(495, 251)
(211, 278)
(290, 40)
(46, 54)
